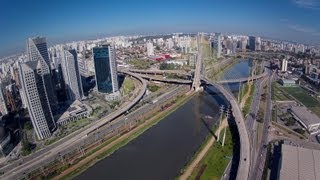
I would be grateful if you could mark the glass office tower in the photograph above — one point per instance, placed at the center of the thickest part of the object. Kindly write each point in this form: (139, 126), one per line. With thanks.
(105, 69)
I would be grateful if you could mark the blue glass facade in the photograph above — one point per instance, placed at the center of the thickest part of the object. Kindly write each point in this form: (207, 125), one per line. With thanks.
(252, 43)
(101, 58)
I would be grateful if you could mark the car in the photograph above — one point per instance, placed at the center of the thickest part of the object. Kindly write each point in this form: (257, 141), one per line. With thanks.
(318, 137)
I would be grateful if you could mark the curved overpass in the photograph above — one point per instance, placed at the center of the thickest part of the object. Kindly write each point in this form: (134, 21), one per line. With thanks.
(128, 106)
(179, 72)
(176, 81)
(245, 79)
(244, 164)
(37, 160)
(183, 81)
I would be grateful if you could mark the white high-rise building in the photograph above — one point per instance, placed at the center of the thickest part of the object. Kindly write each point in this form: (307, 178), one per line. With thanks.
(3, 106)
(169, 43)
(243, 44)
(284, 65)
(37, 51)
(258, 44)
(36, 98)
(71, 75)
(217, 45)
(150, 49)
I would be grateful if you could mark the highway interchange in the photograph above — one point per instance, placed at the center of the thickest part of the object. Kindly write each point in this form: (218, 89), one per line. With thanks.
(38, 159)
(78, 139)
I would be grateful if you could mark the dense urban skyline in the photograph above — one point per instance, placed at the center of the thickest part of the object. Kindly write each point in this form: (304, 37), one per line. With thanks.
(205, 90)
(61, 21)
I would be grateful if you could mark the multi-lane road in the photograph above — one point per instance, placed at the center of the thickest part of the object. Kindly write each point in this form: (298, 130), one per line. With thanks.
(244, 163)
(38, 159)
(89, 134)
(260, 157)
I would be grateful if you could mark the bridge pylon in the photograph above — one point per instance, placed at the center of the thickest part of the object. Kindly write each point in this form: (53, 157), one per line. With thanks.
(197, 73)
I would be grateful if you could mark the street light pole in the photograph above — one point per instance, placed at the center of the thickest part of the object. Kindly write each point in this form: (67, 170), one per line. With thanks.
(220, 119)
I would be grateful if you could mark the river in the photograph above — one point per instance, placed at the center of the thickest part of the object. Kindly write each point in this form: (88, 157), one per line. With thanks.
(164, 149)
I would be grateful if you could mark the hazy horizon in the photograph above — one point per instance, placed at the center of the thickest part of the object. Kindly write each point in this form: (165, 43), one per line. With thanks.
(59, 21)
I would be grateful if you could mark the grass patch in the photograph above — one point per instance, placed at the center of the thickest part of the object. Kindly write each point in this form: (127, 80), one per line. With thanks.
(213, 165)
(141, 63)
(127, 86)
(315, 110)
(244, 89)
(274, 115)
(67, 129)
(213, 129)
(247, 104)
(302, 96)
(277, 93)
(153, 88)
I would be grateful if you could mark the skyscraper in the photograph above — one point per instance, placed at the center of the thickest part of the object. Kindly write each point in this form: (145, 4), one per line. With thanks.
(105, 69)
(3, 106)
(252, 43)
(150, 49)
(284, 65)
(36, 97)
(217, 44)
(243, 44)
(219, 48)
(37, 51)
(71, 75)
(258, 44)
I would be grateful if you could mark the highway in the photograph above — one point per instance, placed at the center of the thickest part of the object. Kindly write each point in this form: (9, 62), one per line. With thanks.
(244, 164)
(108, 124)
(259, 162)
(158, 72)
(36, 160)
(182, 81)
(175, 81)
(245, 79)
(251, 120)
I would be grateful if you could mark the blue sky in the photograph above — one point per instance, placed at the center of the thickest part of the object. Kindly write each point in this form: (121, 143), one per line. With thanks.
(58, 20)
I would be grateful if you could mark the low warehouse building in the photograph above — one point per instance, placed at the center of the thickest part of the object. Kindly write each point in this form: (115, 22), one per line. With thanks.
(76, 111)
(299, 163)
(306, 118)
(287, 82)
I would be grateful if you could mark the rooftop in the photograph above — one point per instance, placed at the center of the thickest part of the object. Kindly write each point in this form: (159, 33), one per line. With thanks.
(288, 81)
(299, 163)
(75, 108)
(305, 115)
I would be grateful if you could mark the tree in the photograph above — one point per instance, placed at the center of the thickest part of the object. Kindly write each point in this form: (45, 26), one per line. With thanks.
(299, 130)
(26, 145)
(28, 125)
(290, 121)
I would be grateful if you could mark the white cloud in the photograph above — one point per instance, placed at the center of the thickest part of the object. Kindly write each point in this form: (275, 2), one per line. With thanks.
(310, 4)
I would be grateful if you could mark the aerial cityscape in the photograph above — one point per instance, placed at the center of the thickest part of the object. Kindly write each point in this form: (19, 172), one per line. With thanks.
(152, 89)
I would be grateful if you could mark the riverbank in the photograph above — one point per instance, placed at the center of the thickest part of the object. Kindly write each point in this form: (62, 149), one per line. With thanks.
(214, 164)
(107, 149)
(217, 70)
(246, 99)
(199, 163)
